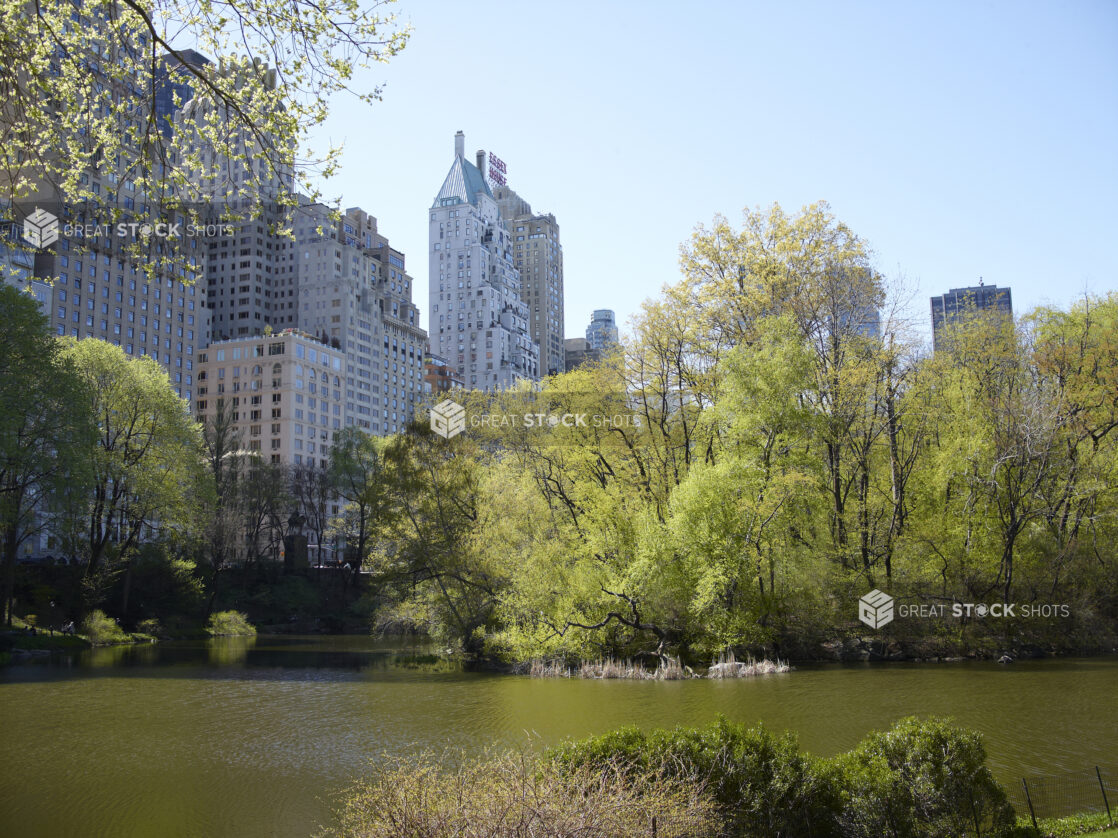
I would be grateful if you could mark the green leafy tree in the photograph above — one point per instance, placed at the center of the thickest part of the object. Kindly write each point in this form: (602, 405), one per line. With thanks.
(45, 430)
(358, 472)
(731, 519)
(436, 554)
(80, 84)
(225, 467)
(146, 463)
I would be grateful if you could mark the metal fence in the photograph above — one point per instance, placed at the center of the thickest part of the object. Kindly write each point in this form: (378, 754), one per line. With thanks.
(1058, 795)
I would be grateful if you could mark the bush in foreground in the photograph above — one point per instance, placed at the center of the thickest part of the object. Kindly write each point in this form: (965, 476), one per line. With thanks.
(762, 784)
(921, 779)
(102, 630)
(511, 796)
(230, 624)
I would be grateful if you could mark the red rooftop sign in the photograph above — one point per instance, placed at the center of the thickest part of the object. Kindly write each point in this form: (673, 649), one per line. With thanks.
(498, 171)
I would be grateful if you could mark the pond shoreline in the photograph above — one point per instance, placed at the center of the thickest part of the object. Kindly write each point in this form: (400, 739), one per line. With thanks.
(19, 647)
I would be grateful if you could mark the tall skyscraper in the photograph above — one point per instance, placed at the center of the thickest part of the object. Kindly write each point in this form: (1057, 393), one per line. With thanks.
(602, 331)
(154, 309)
(338, 280)
(125, 268)
(958, 304)
(355, 293)
(174, 86)
(479, 321)
(538, 255)
(249, 268)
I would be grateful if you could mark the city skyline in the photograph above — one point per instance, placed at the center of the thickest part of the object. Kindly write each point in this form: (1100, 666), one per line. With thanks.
(945, 137)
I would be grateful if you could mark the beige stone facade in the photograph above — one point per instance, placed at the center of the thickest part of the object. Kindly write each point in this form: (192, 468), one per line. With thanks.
(283, 393)
(538, 255)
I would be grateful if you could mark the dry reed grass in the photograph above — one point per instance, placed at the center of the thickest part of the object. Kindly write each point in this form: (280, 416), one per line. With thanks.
(610, 668)
(728, 666)
(515, 796)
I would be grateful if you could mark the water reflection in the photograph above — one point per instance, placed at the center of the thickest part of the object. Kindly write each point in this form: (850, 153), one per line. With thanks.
(249, 736)
(102, 657)
(230, 651)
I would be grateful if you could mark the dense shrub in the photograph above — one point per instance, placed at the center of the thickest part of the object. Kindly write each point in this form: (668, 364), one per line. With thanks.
(762, 784)
(161, 583)
(150, 626)
(512, 796)
(229, 624)
(101, 630)
(923, 778)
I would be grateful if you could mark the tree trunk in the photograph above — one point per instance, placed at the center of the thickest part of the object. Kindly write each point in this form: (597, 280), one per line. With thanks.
(126, 592)
(11, 544)
(896, 525)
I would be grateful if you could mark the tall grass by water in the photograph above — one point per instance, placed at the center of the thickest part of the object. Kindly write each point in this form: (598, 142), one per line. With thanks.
(668, 669)
(728, 666)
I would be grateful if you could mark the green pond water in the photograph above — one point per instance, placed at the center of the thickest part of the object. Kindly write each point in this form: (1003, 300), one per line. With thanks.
(253, 737)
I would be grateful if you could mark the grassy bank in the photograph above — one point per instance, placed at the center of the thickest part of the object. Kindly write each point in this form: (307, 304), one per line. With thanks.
(1095, 824)
(25, 640)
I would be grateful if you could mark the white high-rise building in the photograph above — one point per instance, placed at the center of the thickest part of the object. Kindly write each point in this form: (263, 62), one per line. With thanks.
(479, 320)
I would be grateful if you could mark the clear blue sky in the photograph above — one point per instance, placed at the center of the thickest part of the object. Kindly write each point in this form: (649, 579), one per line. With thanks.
(960, 139)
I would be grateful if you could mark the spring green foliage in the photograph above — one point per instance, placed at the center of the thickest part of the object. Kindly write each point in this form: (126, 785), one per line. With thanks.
(920, 779)
(762, 784)
(146, 465)
(358, 473)
(44, 431)
(784, 460)
(102, 630)
(98, 453)
(230, 624)
(269, 83)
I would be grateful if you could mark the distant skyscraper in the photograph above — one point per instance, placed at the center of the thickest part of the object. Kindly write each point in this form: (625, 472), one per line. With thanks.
(354, 293)
(953, 307)
(602, 331)
(250, 270)
(577, 352)
(870, 325)
(175, 81)
(139, 293)
(479, 322)
(539, 258)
